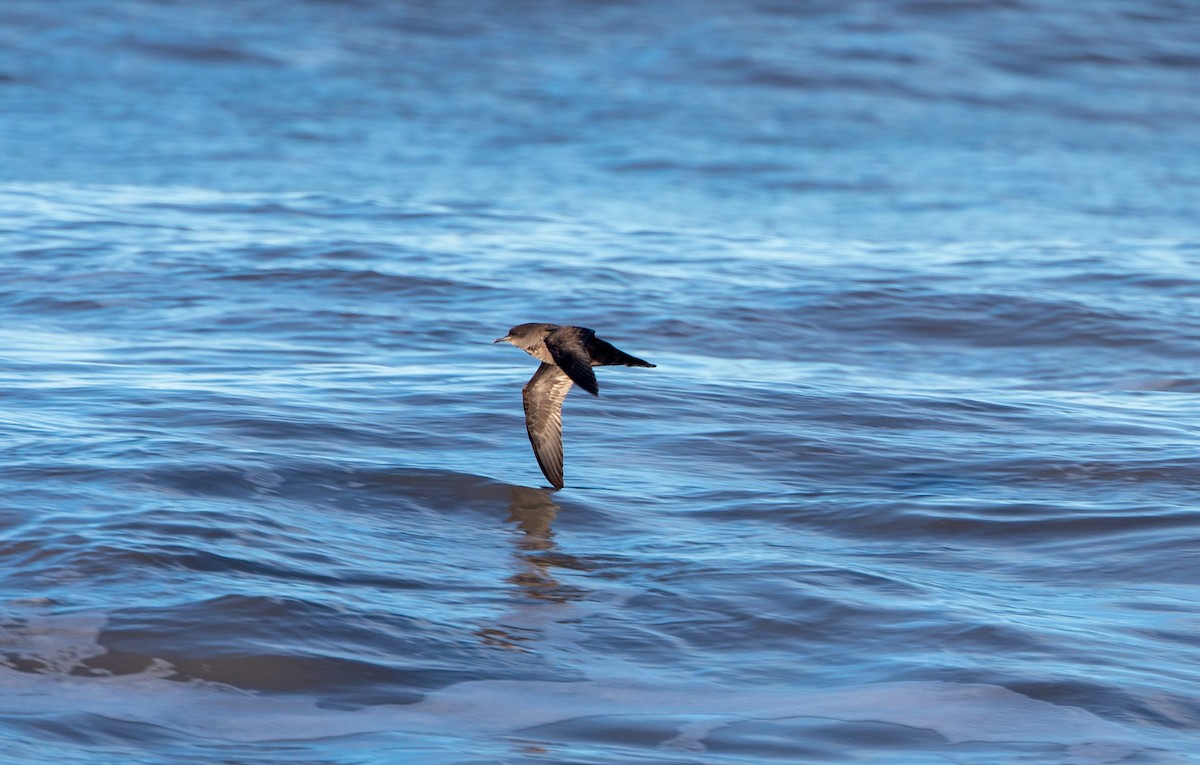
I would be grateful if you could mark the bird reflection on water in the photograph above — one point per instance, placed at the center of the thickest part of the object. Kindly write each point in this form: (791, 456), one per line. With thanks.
(533, 511)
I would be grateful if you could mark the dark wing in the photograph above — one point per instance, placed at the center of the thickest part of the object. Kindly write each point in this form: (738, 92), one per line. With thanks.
(568, 347)
(543, 396)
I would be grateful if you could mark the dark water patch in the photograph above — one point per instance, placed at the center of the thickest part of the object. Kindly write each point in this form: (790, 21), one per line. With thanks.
(48, 304)
(987, 320)
(100, 560)
(1177, 473)
(950, 7)
(365, 280)
(359, 654)
(1012, 523)
(823, 740)
(872, 184)
(202, 53)
(105, 737)
(762, 77)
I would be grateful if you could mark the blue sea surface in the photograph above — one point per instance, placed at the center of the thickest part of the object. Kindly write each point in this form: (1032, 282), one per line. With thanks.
(915, 479)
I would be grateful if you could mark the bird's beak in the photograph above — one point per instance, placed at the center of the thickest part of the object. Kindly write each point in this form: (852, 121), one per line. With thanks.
(500, 340)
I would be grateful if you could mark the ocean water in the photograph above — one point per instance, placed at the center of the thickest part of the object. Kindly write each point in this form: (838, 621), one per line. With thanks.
(915, 480)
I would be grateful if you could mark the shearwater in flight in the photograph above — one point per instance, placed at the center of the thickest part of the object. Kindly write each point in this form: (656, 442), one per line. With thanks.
(567, 355)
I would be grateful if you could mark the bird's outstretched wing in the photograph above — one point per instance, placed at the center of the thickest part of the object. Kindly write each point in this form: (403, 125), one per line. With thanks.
(543, 396)
(568, 347)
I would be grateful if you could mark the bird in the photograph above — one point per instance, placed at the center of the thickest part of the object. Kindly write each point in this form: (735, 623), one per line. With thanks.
(567, 355)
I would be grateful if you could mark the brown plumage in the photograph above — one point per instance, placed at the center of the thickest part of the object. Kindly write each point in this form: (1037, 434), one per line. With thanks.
(567, 355)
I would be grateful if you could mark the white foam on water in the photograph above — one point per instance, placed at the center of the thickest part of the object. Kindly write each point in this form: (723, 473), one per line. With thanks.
(958, 712)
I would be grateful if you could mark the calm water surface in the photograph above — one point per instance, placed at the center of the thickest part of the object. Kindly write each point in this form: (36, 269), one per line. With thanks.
(915, 479)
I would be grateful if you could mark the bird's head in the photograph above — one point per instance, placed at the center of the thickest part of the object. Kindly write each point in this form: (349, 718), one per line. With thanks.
(525, 336)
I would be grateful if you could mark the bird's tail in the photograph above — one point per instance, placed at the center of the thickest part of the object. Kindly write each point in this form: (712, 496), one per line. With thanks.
(609, 356)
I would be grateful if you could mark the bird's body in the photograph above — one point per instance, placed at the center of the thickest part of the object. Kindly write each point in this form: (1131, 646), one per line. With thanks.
(567, 355)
